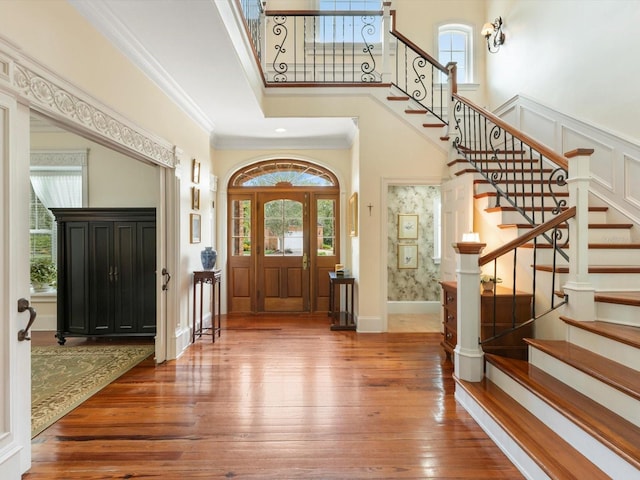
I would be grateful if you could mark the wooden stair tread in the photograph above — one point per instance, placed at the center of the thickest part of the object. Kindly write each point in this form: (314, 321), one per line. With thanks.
(620, 298)
(557, 458)
(626, 334)
(610, 429)
(592, 269)
(611, 373)
(398, 98)
(433, 125)
(416, 111)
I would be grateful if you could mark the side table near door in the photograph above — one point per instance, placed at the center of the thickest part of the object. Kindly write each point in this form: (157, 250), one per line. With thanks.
(213, 278)
(341, 320)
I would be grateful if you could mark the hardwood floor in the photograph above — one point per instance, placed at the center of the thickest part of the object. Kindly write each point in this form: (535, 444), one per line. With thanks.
(278, 398)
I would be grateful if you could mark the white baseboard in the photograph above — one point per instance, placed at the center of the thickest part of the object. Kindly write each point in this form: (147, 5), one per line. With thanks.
(370, 325)
(413, 307)
(45, 323)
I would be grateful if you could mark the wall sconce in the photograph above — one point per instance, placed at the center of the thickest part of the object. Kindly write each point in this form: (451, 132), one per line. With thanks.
(494, 34)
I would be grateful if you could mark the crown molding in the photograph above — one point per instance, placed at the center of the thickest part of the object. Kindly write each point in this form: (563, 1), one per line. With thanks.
(102, 18)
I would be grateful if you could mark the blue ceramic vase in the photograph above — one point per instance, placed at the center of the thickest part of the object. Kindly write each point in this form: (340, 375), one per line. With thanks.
(208, 257)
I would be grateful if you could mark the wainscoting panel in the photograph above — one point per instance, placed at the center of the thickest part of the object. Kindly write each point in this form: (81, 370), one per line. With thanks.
(615, 167)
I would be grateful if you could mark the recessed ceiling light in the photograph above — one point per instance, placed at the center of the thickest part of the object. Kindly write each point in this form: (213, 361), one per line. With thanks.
(281, 130)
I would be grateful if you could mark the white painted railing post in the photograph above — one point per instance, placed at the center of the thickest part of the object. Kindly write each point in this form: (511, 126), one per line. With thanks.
(581, 304)
(385, 68)
(469, 357)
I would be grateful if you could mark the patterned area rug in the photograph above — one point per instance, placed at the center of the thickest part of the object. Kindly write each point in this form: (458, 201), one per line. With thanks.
(64, 377)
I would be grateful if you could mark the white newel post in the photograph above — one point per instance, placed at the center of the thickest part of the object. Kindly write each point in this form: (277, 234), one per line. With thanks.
(385, 69)
(581, 304)
(469, 357)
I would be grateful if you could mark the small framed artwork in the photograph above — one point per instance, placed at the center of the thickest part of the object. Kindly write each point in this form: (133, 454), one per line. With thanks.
(353, 215)
(407, 226)
(407, 256)
(195, 171)
(195, 198)
(195, 228)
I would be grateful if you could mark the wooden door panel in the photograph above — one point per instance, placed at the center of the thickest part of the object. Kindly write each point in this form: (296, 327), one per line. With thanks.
(271, 282)
(240, 294)
(294, 281)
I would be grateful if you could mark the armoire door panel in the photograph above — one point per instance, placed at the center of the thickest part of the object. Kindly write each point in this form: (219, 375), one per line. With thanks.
(101, 277)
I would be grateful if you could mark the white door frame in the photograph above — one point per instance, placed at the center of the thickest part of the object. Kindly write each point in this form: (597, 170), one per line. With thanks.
(27, 86)
(15, 363)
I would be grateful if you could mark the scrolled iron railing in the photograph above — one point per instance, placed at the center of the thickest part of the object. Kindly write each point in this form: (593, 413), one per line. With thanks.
(527, 280)
(420, 76)
(318, 47)
(313, 47)
(527, 175)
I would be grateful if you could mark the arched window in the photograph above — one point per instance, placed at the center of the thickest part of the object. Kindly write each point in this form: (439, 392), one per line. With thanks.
(283, 173)
(455, 44)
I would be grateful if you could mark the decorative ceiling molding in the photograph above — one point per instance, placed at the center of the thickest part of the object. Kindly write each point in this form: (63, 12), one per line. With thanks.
(52, 96)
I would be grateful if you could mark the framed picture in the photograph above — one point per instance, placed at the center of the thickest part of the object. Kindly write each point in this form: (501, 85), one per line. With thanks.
(407, 226)
(195, 227)
(353, 215)
(195, 171)
(407, 256)
(195, 198)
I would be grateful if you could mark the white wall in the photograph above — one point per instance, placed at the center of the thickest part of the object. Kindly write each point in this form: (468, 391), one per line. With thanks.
(575, 56)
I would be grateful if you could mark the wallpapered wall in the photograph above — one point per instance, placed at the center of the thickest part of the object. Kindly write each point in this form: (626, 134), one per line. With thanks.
(421, 283)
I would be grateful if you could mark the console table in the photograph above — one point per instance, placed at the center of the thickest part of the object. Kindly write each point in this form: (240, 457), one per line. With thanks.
(341, 320)
(213, 278)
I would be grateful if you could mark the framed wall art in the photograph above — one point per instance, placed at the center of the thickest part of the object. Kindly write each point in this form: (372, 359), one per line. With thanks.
(407, 256)
(195, 227)
(353, 215)
(195, 198)
(407, 226)
(195, 171)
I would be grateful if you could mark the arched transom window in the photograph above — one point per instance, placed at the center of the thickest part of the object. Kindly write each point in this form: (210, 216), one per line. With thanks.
(283, 173)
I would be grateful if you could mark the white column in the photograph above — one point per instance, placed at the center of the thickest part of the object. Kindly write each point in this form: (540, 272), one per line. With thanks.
(469, 357)
(581, 304)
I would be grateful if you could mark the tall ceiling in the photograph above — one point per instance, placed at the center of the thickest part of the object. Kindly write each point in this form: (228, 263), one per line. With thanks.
(185, 47)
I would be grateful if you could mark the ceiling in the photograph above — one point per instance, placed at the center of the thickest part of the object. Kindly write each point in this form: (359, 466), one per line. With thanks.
(185, 47)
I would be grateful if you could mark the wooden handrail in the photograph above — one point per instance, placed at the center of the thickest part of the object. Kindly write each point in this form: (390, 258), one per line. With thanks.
(556, 158)
(419, 51)
(324, 13)
(521, 240)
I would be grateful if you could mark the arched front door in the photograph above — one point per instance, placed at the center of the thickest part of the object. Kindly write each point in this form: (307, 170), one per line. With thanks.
(283, 217)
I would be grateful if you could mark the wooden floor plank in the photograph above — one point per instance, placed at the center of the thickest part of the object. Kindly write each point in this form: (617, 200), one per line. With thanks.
(275, 398)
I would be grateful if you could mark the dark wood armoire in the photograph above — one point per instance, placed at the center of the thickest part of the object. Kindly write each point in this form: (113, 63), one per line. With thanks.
(106, 272)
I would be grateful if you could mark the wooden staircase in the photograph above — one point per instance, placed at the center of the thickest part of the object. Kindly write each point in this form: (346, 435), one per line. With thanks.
(573, 409)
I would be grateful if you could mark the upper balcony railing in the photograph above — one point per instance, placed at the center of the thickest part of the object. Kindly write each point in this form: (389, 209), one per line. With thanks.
(338, 48)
